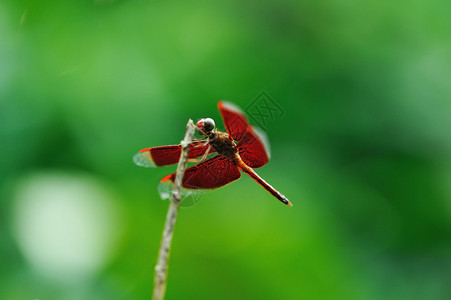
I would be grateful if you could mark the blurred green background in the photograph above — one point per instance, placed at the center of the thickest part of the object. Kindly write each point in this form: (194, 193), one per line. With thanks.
(363, 148)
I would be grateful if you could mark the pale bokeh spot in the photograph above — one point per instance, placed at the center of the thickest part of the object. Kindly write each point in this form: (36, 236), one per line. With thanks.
(65, 224)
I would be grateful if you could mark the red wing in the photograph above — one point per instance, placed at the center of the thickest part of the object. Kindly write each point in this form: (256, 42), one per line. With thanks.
(167, 155)
(212, 173)
(254, 148)
(234, 119)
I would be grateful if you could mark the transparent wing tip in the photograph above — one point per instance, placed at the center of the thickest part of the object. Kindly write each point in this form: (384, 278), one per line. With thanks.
(189, 197)
(143, 159)
(165, 189)
(264, 138)
(230, 106)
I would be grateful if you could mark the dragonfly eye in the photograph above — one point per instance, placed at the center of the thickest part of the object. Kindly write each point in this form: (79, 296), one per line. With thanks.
(209, 124)
(204, 126)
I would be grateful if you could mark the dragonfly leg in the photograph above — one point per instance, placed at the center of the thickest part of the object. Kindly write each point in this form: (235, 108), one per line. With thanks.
(193, 160)
(202, 143)
(204, 157)
(198, 140)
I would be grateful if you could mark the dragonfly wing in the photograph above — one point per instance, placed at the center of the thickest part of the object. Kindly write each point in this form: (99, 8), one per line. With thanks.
(254, 148)
(167, 155)
(234, 119)
(189, 196)
(212, 173)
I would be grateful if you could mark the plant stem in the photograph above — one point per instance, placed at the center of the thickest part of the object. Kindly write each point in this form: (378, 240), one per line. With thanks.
(161, 268)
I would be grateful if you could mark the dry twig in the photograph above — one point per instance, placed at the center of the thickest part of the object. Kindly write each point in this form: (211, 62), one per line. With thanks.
(161, 268)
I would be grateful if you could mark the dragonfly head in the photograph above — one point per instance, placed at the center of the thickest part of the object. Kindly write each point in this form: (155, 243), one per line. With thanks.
(205, 126)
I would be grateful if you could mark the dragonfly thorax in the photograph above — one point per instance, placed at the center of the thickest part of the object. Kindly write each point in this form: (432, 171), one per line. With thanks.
(223, 144)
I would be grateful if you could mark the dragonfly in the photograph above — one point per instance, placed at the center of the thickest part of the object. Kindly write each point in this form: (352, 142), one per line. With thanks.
(243, 147)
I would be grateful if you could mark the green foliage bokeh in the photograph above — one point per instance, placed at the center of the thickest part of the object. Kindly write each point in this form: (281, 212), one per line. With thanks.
(362, 148)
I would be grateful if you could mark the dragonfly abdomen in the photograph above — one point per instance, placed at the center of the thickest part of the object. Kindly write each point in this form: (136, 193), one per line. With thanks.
(249, 171)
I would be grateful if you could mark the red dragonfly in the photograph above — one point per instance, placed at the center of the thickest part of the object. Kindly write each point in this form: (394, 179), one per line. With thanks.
(243, 148)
